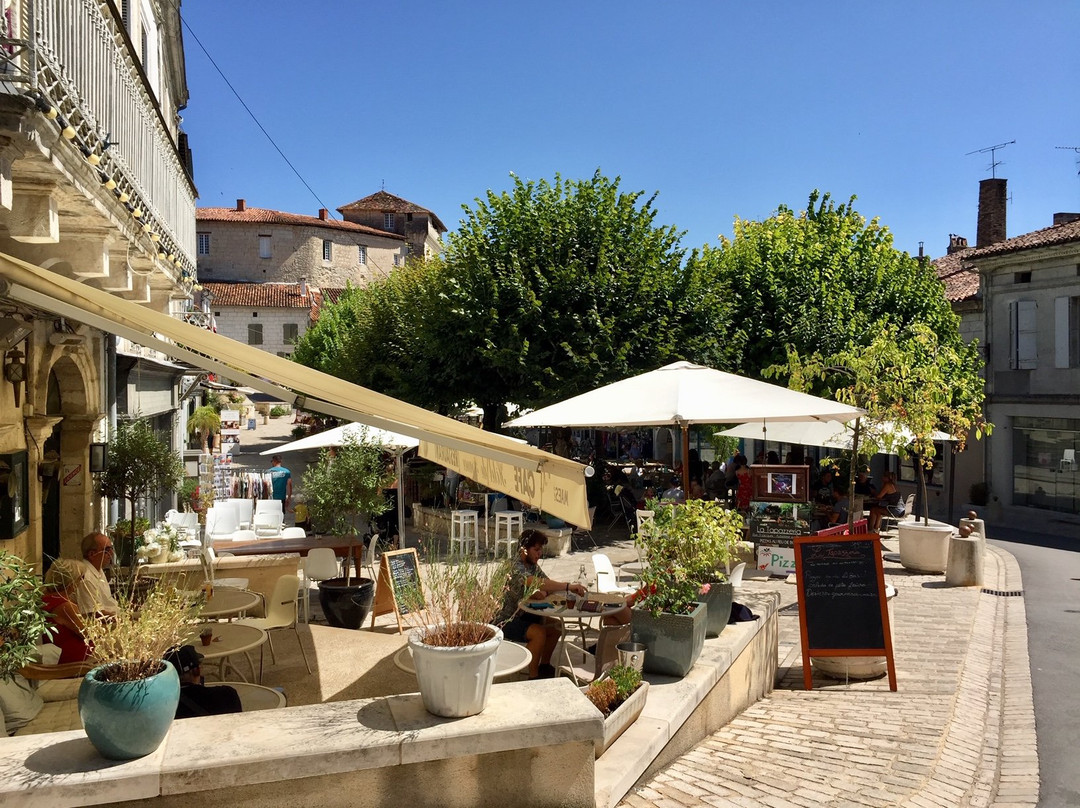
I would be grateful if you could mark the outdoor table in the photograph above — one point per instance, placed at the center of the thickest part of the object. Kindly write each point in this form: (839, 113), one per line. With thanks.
(229, 639)
(571, 618)
(339, 544)
(229, 603)
(254, 697)
(509, 659)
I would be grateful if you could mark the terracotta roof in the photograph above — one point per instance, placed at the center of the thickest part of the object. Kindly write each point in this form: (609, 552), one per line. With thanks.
(266, 216)
(260, 295)
(388, 203)
(324, 296)
(1047, 237)
(960, 279)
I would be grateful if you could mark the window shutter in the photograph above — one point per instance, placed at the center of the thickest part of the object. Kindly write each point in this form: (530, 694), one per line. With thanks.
(1025, 333)
(1061, 332)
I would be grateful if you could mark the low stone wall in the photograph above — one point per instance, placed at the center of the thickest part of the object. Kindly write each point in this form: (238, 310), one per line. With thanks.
(262, 571)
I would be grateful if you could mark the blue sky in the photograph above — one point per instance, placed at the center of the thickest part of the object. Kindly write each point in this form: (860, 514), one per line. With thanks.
(725, 109)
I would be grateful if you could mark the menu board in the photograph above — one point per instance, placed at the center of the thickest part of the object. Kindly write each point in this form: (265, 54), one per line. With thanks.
(842, 605)
(399, 571)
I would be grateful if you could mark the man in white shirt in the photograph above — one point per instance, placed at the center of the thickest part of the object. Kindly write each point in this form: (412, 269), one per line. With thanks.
(93, 594)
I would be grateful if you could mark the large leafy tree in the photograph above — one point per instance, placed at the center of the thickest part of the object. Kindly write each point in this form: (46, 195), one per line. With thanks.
(546, 290)
(823, 280)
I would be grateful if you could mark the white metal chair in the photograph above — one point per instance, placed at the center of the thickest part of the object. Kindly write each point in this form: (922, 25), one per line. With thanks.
(464, 530)
(643, 516)
(603, 657)
(281, 613)
(211, 563)
(893, 518)
(606, 580)
(320, 564)
(514, 523)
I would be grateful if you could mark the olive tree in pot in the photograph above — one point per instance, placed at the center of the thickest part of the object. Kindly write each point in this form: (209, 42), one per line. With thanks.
(911, 384)
(343, 491)
(453, 640)
(128, 701)
(141, 465)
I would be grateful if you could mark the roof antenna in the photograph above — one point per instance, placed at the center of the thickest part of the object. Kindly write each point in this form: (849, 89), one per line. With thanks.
(383, 188)
(992, 149)
(1072, 149)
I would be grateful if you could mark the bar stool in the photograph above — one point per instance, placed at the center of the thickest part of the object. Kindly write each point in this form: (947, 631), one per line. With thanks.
(464, 529)
(512, 520)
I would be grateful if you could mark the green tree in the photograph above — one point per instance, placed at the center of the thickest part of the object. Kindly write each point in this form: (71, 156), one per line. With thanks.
(547, 290)
(140, 465)
(823, 280)
(205, 421)
(908, 378)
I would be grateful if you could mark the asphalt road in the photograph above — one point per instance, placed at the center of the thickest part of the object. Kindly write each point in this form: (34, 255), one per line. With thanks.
(1051, 570)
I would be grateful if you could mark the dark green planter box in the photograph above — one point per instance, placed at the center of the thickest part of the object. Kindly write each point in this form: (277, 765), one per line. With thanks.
(673, 641)
(718, 600)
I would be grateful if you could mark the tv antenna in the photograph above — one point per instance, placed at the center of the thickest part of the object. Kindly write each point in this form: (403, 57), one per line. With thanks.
(1075, 149)
(992, 149)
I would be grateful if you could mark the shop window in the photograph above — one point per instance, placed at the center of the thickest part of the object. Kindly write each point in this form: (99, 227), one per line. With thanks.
(1046, 473)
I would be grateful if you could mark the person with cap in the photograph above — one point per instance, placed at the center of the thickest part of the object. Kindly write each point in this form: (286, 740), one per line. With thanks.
(196, 698)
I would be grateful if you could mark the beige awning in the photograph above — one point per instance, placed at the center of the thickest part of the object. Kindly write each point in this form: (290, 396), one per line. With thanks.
(546, 481)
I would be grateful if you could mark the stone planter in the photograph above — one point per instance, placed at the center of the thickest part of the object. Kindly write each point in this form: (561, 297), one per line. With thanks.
(674, 641)
(924, 547)
(455, 681)
(127, 720)
(621, 717)
(857, 667)
(718, 602)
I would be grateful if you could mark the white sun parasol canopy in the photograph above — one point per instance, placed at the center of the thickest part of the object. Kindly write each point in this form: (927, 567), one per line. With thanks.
(830, 435)
(337, 435)
(684, 393)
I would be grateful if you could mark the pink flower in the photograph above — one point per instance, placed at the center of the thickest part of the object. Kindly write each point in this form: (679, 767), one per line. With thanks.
(704, 589)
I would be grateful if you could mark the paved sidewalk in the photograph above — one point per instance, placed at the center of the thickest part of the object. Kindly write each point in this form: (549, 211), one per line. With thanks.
(959, 731)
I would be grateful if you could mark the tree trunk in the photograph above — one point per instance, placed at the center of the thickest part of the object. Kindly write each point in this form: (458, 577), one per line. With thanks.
(494, 415)
(852, 464)
(924, 504)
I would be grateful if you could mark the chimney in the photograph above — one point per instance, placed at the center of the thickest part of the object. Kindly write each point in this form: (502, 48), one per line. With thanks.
(324, 214)
(991, 226)
(1065, 218)
(303, 287)
(956, 244)
(241, 205)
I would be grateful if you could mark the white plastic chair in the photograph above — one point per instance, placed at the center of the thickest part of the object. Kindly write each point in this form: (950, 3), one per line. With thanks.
(281, 613)
(320, 564)
(268, 518)
(245, 509)
(736, 574)
(222, 520)
(605, 576)
(369, 557)
(211, 557)
(293, 533)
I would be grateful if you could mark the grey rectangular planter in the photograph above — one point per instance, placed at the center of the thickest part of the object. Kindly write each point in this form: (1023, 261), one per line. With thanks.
(673, 641)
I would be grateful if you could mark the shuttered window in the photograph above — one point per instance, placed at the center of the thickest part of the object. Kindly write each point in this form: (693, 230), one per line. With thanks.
(1023, 327)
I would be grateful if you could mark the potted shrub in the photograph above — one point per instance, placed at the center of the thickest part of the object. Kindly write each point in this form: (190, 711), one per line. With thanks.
(343, 491)
(127, 702)
(205, 422)
(141, 465)
(620, 696)
(453, 640)
(696, 543)
(158, 545)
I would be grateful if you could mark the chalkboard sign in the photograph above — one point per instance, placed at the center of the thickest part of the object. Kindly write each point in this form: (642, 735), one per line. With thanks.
(399, 571)
(842, 605)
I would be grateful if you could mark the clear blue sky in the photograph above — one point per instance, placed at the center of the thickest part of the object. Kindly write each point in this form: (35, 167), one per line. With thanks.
(726, 109)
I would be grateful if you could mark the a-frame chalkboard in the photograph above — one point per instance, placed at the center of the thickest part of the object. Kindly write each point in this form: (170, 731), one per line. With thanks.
(842, 606)
(398, 569)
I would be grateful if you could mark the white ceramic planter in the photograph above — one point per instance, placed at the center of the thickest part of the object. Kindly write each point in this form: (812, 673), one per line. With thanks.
(924, 548)
(454, 682)
(857, 667)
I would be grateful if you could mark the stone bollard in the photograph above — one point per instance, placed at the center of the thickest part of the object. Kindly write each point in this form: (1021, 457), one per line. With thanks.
(976, 525)
(965, 561)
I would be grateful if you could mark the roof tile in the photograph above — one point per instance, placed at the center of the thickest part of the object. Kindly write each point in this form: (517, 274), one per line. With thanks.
(267, 216)
(1047, 237)
(259, 295)
(383, 202)
(961, 281)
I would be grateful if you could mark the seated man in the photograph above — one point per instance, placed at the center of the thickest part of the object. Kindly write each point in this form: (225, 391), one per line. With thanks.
(195, 697)
(93, 594)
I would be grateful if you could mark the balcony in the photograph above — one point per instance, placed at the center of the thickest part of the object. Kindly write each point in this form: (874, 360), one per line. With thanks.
(97, 176)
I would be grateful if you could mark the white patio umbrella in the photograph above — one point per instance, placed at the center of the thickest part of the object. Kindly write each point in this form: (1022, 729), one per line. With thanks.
(361, 432)
(831, 435)
(681, 394)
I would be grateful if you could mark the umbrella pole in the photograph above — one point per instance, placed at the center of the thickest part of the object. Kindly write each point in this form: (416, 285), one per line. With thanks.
(400, 499)
(686, 459)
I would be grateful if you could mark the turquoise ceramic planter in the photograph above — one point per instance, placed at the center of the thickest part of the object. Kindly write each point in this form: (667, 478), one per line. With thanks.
(126, 720)
(718, 600)
(673, 641)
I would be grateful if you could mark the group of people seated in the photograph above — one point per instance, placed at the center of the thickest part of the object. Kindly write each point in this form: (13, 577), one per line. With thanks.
(832, 503)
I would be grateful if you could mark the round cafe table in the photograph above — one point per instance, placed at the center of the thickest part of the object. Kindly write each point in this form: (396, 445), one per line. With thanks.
(509, 659)
(229, 603)
(229, 639)
(571, 619)
(254, 697)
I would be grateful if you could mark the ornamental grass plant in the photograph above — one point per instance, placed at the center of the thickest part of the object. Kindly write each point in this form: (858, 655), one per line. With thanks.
(131, 644)
(457, 599)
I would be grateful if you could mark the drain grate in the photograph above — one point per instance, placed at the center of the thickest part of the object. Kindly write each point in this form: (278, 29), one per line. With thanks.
(1004, 593)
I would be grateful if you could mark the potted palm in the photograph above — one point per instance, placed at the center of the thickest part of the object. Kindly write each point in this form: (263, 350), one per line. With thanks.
(204, 422)
(453, 640)
(127, 702)
(343, 491)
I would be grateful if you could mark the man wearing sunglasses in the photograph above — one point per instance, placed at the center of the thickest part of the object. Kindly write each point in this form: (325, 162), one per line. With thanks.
(93, 594)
